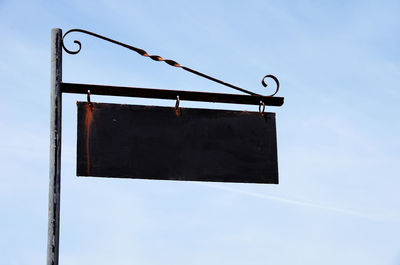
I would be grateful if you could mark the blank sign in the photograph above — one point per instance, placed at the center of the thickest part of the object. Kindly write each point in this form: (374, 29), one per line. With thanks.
(148, 142)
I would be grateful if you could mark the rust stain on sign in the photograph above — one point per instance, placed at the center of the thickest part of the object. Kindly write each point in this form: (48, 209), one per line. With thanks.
(88, 122)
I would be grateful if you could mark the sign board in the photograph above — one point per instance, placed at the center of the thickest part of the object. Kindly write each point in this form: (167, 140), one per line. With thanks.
(148, 142)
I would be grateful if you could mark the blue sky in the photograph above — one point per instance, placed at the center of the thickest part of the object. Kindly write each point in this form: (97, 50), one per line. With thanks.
(338, 133)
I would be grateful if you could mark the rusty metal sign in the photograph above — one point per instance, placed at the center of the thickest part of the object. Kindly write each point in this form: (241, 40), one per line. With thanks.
(149, 142)
(125, 141)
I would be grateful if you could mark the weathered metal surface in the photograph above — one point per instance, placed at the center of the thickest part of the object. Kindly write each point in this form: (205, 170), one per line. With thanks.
(170, 94)
(55, 148)
(147, 142)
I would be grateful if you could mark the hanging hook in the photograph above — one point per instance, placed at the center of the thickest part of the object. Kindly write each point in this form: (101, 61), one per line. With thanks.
(263, 107)
(88, 100)
(177, 102)
(177, 109)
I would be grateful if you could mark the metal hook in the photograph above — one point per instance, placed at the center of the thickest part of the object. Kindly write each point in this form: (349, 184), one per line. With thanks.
(88, 100)
(177, 109)
(177, 102)
(263, 107)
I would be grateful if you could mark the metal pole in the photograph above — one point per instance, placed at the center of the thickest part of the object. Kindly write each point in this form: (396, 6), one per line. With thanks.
(55, 147)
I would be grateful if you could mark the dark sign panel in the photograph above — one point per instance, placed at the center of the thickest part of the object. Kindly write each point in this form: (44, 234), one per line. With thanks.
(147, 142)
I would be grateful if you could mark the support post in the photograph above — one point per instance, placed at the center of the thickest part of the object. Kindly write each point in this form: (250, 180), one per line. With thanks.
(55, 147)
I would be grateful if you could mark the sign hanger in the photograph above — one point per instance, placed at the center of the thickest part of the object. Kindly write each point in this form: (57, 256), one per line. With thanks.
(250, 99)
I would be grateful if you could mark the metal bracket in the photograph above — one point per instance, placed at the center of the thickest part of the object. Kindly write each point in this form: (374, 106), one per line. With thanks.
(159, 93)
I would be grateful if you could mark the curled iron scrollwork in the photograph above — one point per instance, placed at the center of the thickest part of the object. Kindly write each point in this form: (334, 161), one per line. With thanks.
(167, 61)
(276, 82)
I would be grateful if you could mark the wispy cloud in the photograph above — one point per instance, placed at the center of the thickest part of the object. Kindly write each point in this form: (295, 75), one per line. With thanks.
(373, 217)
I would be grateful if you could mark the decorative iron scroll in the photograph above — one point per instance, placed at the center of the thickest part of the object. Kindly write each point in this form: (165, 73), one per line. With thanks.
(168, 61)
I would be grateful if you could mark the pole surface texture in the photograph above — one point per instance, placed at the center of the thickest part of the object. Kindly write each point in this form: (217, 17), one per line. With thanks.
(55, 147)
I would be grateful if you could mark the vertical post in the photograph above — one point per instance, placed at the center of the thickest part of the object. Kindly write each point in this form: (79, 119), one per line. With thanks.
(55, 147)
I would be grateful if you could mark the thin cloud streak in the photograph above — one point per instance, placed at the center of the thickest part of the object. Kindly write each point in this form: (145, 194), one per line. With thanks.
(381, 218)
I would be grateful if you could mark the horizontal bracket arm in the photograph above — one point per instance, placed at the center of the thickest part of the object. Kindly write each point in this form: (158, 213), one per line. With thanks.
(170, 94)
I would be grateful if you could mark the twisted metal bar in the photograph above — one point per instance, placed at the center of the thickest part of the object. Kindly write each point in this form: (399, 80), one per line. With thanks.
(168, 61)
